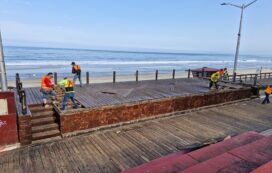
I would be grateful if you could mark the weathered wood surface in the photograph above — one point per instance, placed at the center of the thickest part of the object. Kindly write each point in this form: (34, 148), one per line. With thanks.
(128, 146)
(103, 94)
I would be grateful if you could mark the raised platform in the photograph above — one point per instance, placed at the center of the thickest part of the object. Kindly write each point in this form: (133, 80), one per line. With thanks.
(106, 94)
(112, 103)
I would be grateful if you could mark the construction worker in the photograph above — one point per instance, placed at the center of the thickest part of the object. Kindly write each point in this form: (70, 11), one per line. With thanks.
(214, 79)
(226, 74)
(267, 92)
(77, 71)
(47, 88)
(69, 92)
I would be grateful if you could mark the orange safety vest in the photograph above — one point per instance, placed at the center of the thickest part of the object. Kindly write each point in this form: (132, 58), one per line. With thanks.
(268, 90)
(222, 71)
(76, 67)
(69, 86)
(215, 77)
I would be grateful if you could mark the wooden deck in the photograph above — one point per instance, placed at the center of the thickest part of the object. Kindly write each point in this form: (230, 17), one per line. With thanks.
(96, 95)
(128, 146)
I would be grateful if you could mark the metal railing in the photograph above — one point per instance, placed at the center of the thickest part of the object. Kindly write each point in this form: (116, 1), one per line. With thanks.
(21, 93)
(114, 76)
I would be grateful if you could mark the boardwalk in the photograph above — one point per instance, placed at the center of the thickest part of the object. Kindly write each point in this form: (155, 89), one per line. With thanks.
(96, 95)
(124, 147)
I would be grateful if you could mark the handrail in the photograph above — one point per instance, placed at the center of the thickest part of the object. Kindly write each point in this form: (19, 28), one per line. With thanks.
(21, 93)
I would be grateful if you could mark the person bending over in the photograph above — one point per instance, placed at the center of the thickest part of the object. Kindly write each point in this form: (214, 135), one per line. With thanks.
(47, 88)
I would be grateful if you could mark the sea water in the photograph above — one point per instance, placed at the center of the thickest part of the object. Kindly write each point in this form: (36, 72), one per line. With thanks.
(33, 62)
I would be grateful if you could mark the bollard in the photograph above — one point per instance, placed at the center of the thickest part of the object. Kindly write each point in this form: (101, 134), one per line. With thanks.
(114, 76)
(189, 73)
(87, 78)
(173, 74)
(137, 73)
(156, 76)
(55, 78)
(234, 77)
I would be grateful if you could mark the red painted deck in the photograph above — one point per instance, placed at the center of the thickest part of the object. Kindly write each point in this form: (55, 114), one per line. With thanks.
(242, 153)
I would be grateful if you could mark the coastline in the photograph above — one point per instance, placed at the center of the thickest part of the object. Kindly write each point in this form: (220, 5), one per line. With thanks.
(132, 77)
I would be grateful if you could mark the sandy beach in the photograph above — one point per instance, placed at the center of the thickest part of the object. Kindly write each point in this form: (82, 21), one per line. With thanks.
(132, 77)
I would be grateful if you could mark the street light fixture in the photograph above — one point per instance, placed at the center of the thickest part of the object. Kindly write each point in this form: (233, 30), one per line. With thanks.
(242, 7)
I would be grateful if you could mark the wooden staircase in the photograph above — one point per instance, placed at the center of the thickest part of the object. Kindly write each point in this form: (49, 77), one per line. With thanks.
(44, 123)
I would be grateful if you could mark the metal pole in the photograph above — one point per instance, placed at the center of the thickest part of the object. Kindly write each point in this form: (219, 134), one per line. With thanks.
(137, 76)
(189, 73)
(114, 76)
(4, 83)
(156, 76)
(238, 43)
(87, 78)
(242, 7)
(55, 78)
(173, 74)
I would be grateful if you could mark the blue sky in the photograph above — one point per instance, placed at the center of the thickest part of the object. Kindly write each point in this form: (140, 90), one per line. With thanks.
(194, 25)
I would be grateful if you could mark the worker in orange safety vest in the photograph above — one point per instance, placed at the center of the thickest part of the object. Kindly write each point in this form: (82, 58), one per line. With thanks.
(77, 71)
(267, 92)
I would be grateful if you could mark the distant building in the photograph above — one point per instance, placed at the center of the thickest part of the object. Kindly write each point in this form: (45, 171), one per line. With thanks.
(203, 72)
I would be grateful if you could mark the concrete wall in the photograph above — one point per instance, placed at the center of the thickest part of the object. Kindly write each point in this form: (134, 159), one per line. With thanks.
(8, 127)
(91, 118)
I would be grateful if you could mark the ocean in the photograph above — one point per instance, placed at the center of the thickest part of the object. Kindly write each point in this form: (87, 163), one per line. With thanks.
(32, 62)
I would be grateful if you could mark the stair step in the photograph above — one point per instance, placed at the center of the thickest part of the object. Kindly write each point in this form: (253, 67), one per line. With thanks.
(44, 135)
(180, 161)
(51, 139)
(40, 109)
(266, 168)
(242, 159)
(42, 121)
(46, 127)
(42, 114)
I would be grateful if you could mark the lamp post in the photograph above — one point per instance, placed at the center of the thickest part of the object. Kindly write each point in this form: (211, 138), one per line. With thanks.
(242, 7)
(3, 75)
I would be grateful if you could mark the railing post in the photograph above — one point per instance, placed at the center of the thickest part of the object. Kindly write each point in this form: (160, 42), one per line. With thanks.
(255, 80)
(234, 77)
(20, 87)
(87, 78)
(137, 75)
(156, 75)
(23, 101)
(17, 80)
(55, 78)
(189, 73)
(269, 75)
(173, 74)
(114, 76)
